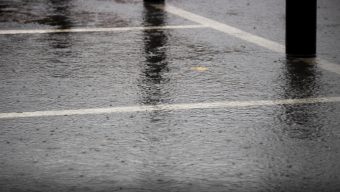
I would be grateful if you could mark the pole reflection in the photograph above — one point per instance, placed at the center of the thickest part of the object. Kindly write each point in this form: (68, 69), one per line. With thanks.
(59, 18)
(153, 78)
(60, 14)
(302, 81)
(154, 89)
(60, 43)
(301, 78)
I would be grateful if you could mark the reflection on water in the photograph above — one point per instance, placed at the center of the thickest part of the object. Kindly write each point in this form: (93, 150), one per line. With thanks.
(153, 78)
(60, 16)
(302, 81)
(153, 85)
(60, 43)
(3, 7)
(301, 78)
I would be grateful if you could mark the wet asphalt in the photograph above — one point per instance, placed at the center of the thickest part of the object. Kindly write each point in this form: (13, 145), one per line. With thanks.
(260, 148)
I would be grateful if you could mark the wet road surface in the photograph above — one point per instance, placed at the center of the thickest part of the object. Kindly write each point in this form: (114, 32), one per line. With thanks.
(240, 147)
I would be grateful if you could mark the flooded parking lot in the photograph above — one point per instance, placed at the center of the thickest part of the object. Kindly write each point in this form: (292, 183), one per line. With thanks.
(191, 95)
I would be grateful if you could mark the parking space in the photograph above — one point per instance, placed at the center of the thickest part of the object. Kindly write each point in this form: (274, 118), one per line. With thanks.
(47, 14)
(262, 148)
(204, 100)
(266, 18)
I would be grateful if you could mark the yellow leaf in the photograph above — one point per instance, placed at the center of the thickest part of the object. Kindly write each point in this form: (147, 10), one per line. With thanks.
(200, 69)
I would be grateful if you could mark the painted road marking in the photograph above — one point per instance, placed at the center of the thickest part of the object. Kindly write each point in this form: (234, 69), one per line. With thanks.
(329, 66)
(233, 31)
(238, 33)
(170, 107)
(79, 30)
(205, 23)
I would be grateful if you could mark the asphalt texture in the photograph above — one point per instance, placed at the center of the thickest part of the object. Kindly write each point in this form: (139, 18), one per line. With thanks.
(259, 148)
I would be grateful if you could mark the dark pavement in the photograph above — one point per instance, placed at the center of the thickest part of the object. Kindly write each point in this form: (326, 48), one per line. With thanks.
(283, 147)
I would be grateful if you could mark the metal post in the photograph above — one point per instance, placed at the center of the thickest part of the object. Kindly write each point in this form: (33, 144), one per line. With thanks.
(301, 16)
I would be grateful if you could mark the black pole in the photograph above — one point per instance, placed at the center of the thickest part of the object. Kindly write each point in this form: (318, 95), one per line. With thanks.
(301, 16)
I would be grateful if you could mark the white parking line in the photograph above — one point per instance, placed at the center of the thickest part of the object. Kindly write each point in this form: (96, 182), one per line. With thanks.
(170, 107)
(223, 28)
(79, 30)
(238, 33)
(329, 66)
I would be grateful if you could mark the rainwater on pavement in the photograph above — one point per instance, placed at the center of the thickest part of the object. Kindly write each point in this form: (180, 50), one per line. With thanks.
(289, 147)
